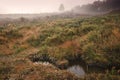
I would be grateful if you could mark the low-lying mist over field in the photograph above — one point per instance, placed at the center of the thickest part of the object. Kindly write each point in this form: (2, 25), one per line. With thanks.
(37, 8)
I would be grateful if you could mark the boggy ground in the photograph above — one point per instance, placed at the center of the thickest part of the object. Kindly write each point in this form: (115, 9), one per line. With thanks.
(95, 40)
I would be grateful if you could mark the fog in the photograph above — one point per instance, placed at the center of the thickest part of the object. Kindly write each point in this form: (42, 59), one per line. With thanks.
(38, 6)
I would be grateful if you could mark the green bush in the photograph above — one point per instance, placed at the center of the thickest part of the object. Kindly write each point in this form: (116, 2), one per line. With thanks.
(54, 40)
(34, 42)
(18, 49)
(113, 54)
(94, 37)
(13, 34)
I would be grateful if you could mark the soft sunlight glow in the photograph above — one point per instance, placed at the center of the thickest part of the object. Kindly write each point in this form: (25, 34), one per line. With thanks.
(38, 6)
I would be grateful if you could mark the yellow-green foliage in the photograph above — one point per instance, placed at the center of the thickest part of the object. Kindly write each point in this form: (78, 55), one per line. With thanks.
(92, 39)
(94, 35)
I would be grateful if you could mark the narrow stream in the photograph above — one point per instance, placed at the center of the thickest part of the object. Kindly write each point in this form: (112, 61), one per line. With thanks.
(78, 69)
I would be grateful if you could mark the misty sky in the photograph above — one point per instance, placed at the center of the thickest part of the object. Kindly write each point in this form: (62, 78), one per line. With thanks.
(38, 6)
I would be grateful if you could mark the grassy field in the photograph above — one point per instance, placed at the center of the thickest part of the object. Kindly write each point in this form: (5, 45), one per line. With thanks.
(94, 40)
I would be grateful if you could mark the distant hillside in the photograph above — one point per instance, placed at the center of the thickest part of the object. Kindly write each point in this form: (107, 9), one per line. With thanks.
(98, 7)
(115, 11)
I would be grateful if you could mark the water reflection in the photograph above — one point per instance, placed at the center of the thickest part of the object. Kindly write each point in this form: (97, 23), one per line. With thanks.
(77, 70)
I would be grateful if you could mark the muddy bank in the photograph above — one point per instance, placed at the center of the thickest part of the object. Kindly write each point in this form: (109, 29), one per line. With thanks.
(76, 66)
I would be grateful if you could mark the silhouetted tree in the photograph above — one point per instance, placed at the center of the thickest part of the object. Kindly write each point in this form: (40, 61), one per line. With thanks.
(22, 19)
(100, 6)
(61, 8)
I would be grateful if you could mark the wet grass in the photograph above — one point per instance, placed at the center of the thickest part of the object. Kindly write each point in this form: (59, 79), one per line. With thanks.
(95, 40)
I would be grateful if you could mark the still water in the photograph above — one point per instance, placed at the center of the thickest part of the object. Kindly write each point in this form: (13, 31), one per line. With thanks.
(77, 70)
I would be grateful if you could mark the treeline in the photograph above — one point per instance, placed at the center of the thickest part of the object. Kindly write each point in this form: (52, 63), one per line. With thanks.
(99, 6)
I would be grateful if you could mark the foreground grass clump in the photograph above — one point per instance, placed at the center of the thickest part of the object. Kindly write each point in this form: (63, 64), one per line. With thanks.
(23, 70)
(94, 40)
(95, 76)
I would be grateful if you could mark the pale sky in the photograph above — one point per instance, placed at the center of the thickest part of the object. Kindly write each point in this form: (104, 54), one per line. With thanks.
(38, 6)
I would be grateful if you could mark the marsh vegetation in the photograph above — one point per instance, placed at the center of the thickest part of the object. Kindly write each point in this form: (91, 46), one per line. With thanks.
(93, 41)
